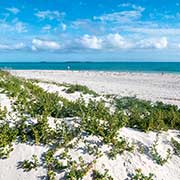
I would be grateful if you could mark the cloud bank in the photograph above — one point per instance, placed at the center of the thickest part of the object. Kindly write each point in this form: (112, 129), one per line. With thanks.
(39, 44)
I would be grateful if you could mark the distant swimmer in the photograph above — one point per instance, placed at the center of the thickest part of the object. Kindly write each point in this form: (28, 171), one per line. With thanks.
(68, 67)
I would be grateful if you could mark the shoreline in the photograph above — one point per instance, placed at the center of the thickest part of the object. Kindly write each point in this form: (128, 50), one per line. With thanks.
(96, 71)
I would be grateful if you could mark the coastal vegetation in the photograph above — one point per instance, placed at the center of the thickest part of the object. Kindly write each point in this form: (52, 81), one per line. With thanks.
(148, 116)
(156, 156)
(28, 165)
(176, 146)
(140, 176)
(92, 118)
(70, 88)
(79, 88)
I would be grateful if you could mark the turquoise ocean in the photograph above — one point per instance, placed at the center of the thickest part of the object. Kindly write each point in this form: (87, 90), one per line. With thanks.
(150, 67)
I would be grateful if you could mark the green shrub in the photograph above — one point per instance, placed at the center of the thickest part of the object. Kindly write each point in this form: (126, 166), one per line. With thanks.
(28, 165)
(3, 114)
(79, 88)
(77, 170)
(118, 147)
(99, 176)
(41, 132)
(7, 137)
(42, 101)
(140, 176)
(156, 156)
(147, 116)
(51, 175)
(22, 129)
(98, 120)
(93, 150)
(10, 85)
(72, 109)
(176, 146)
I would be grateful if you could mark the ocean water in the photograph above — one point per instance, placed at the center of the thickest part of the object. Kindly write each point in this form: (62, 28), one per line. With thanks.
(158, 67)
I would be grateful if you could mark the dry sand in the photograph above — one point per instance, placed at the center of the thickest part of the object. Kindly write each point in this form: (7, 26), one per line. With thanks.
(149, 86)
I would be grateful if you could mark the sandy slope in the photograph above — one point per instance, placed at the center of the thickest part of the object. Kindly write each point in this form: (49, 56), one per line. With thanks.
(155, 87)
(9, 167)
(148, 86)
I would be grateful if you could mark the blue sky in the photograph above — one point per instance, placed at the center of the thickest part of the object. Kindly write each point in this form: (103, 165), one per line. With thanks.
(84, 30)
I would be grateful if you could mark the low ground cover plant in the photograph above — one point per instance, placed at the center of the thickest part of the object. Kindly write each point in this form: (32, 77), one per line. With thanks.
(156, 156)
(79, 88)
(176, 146)
(138, 175)
(7, 137)
(28, 165)
(118, 147)
(147, 116)
(101, 176)
(95, 118)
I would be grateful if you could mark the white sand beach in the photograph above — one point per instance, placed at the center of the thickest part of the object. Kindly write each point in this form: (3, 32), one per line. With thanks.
(149, 86)
(154, 87)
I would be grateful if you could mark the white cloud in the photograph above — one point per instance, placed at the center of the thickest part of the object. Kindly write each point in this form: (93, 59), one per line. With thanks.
(157, 43)
(49, 15)
(13, 10)
(154, 31)
(108, 42)
(47, 28)
(39, 44)
(20, 27)
(125, 5)
(133, 6)
(16, 27)
(91, 42)
(64, 27)
(121, 17)
(138, 8)
(17, 46)
(117, 41)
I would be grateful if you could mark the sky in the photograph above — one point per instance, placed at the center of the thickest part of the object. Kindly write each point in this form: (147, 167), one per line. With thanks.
(89, 30)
